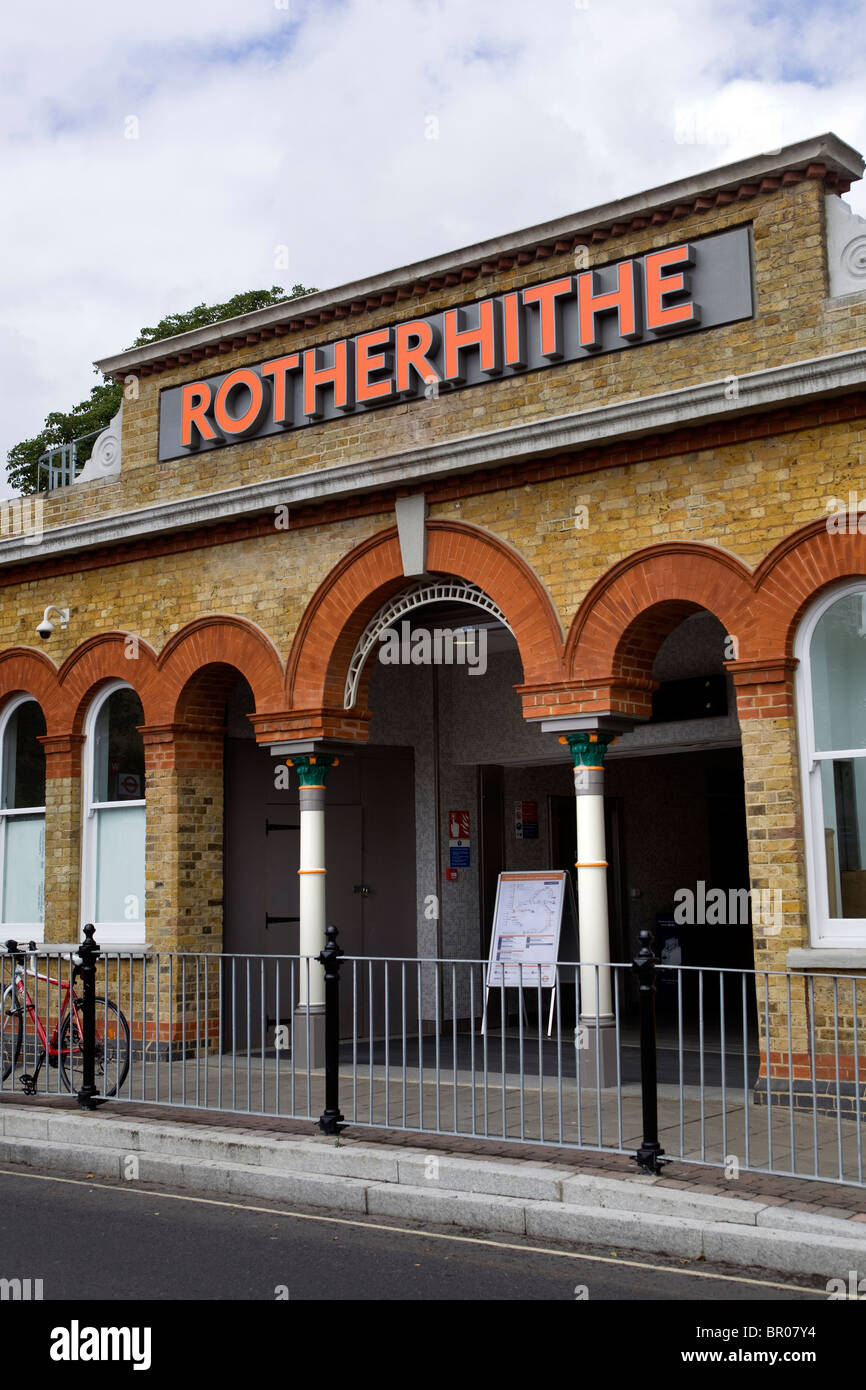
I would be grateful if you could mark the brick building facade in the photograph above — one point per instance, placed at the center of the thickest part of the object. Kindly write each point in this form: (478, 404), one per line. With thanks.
(638, 514)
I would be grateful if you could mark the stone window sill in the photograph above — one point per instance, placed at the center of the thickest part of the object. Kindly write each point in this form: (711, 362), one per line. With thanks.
(827, 958)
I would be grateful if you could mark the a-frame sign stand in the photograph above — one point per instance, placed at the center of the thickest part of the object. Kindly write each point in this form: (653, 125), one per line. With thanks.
(534, 923)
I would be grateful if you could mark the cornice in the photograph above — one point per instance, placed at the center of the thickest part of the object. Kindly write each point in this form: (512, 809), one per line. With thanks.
(793, 384)
(823, 157)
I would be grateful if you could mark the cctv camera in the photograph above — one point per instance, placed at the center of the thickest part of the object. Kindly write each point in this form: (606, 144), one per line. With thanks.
(46, 627)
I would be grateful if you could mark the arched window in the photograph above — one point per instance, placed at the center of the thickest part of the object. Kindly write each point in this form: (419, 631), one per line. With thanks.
(22, 816)
(114, 816)
(831, 647)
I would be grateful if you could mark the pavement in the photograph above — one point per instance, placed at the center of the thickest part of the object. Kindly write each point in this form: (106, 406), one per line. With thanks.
(529, 1090)
(691, 1211)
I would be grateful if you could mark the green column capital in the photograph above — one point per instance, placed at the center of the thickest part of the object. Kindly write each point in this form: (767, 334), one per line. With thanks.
(313, 768)
(588, 748)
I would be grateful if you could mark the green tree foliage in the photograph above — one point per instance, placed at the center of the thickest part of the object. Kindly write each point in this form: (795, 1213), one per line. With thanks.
(92, 415)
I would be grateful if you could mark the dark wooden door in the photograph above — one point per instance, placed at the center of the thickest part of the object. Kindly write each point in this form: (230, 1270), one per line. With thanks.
(491, 799)
(387, 897)
(370, 856)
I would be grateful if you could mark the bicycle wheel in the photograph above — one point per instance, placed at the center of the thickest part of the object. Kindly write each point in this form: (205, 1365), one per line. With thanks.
(10, 1035)
(112, 1048)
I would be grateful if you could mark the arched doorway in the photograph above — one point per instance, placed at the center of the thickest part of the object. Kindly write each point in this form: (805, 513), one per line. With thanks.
(340, 699)
(440, 687)
(663, 629)
(417, 672)
(369, 851)
(677, 781)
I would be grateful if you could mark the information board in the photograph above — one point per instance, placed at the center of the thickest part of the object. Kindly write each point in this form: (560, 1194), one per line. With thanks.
(527, 924)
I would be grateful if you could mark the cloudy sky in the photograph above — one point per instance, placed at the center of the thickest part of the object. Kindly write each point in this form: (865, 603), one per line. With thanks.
(156, 155)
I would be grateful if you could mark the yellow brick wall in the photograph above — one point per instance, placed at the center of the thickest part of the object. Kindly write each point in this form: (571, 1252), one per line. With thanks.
(794, 321)
(184, 860)
(744, 497)
(63, 807)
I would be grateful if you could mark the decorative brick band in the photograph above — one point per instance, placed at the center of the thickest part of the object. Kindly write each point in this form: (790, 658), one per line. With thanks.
(181, 747)
(844, 1098)
(626, 696)
(823, 1067)
(693, 439)
(62, 754)
(286, 726)
(604, 666)
(765, 689)
(416, 288)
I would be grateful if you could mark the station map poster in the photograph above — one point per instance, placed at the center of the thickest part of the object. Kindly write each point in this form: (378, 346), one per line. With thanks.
(527, 923)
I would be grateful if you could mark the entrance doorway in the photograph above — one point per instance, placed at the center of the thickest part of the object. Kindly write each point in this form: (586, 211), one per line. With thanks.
(683, 839)
(370, 855)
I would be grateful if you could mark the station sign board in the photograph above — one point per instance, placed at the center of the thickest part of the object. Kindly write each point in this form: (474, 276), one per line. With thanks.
(683, 288)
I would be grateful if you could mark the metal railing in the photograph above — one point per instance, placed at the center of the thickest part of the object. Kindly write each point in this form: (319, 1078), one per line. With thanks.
(59, 466)
(755, 1070)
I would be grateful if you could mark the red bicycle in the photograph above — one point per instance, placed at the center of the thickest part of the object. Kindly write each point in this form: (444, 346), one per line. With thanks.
(64, 1049)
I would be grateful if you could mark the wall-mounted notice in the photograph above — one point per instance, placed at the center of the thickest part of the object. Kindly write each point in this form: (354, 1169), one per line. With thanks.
(459, 842)
(527, 922)
(526, 820)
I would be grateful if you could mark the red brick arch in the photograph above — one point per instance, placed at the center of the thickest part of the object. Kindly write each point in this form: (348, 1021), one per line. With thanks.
(26, 670)
(218, 641)
(629, 611)
(349, 596)
(103, 658)
(792, 576)
(627, 614)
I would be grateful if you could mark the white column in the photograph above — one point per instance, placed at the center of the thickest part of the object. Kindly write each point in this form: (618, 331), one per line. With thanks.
(588, 750)
(312, 774)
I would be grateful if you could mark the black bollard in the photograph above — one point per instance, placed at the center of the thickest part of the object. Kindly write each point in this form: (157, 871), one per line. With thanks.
(649, 1156)
(88, 953)
(329, 1120)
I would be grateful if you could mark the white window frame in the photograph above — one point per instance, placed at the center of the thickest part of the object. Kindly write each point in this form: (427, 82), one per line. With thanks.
(824, 930)
(121, 933)
(34, 931)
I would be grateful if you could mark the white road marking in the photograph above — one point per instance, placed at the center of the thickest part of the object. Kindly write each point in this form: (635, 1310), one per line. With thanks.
(421, 1235)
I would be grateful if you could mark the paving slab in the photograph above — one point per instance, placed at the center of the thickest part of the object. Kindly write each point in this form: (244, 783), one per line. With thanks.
(796, 1252)
(810, 1222)
(470, 1211)
(653, 1200)
(24, 1124)
(307, 1190)
(627, 1230)
(494, 1177)
(82, 1160)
